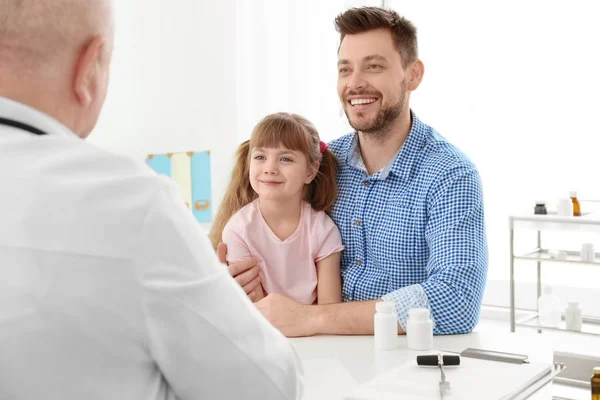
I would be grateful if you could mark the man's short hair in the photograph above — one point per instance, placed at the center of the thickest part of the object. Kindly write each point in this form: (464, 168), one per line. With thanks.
(365, 19)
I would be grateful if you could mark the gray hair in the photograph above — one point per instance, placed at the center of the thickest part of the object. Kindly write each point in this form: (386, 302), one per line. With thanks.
(36, 34)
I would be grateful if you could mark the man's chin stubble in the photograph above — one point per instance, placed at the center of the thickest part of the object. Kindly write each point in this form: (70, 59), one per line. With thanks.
(378, 131)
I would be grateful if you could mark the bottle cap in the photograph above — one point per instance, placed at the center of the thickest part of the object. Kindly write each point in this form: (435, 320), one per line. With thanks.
(387, 307)
(540, 202)
(573, 304)
(597, 370)
(547, 289)
(572, 193)
(419, 314)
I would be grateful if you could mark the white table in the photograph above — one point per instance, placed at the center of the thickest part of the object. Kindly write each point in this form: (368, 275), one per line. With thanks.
(335, 364)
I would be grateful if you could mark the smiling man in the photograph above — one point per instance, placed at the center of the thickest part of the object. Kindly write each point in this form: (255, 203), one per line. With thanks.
(410, 204)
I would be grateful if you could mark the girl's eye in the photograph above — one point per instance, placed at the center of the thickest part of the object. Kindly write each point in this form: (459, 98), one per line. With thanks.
(286, 159)
(259, 157)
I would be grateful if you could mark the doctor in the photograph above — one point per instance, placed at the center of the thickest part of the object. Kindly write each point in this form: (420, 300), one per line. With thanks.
(107, 288)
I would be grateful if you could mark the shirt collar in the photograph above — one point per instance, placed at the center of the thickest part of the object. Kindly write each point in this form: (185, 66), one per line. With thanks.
(25, 114)
(401, 162)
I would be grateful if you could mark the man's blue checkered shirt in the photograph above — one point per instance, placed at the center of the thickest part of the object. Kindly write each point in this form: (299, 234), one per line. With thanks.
(414, 232)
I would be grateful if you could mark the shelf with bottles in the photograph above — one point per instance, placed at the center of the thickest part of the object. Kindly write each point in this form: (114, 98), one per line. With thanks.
(589, 326)
(587, 222)
(564, 216)
(560, 256)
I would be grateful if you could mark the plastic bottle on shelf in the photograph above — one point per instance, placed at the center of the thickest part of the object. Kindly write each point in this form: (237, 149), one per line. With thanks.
(587, 252)
(595, 384)
(573, 316)
(564, 207)
(549, 308)
(576, 206)
(540, 208)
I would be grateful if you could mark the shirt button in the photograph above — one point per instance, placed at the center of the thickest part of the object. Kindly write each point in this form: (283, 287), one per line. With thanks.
(358, 262)
(366, 183)
(357, 222)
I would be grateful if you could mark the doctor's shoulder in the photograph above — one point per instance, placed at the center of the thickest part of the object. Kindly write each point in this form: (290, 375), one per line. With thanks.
(127, 180)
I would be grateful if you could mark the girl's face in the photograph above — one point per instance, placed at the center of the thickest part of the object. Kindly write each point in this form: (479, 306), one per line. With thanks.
(280, 174)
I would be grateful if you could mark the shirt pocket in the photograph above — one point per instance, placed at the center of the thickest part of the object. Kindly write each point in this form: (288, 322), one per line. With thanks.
(399, 233)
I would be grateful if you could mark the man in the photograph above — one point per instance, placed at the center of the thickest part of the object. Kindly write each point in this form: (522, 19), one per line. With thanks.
(409, 207)
(108, 290)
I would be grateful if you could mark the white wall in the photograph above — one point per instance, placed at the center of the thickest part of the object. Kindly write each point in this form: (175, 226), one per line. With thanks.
(173, 82)
(515, 84)
(287, 62)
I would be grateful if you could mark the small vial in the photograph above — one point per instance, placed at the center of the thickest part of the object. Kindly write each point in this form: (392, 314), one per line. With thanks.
(386, 326)
(540, 208)
(587, 252)
(565, 207)
(596, 384)
(419, 329)
(549, 308)
(576, 206)
(573, 316)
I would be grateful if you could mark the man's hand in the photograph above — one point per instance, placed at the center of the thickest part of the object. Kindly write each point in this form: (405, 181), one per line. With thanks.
(245, 273)
(291, 318)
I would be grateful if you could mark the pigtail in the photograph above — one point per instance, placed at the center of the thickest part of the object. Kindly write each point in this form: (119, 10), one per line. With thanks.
(323, 189)
(238, 194)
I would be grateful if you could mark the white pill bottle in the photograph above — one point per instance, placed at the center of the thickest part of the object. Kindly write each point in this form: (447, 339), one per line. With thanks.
(386, 326)
(419, 329)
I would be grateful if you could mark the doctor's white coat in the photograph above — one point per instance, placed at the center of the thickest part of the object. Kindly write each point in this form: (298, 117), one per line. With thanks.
(109, 290)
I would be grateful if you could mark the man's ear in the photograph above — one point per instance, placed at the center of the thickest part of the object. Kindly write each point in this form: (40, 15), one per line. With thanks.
(85, 82)
(415, 74)
(313, 172)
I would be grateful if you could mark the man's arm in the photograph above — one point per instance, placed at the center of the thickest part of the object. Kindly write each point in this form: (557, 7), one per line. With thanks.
(237, 251)
(458, 260)
(244, 272)
(457, 265)
(205, 336)
(294, 319)
(353, 318)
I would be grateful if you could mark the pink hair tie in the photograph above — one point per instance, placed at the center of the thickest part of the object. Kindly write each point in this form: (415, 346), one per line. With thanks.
(324, 147)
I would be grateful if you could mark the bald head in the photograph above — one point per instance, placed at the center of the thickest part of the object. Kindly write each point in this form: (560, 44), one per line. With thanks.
(37, 36)
(55, 57)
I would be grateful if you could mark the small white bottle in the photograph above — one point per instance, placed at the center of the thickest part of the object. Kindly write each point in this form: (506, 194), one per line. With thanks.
(565, 207)
(587, 252)
(386, 326)
(573, 316)
(549, 308)
(419, 329)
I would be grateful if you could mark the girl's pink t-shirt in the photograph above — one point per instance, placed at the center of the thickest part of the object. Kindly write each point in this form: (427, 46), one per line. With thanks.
(287, 267)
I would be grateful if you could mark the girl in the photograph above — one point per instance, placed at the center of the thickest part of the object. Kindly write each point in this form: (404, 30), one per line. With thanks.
(274, 210)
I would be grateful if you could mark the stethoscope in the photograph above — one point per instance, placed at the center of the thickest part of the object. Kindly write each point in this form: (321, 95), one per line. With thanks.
(21, 125)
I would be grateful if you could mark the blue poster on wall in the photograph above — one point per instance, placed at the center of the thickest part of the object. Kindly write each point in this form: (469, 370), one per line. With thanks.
(191, 171)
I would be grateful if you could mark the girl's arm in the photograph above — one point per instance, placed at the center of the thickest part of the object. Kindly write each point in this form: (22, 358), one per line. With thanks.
(329, 281)
(237, 250)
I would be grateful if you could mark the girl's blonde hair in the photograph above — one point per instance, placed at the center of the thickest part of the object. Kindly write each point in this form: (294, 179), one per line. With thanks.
(292, 132)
